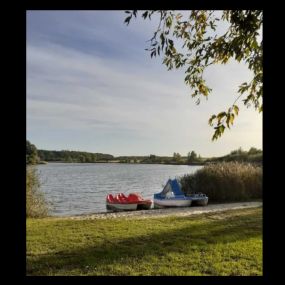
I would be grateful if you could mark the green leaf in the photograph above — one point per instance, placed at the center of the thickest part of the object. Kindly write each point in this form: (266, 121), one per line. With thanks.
(162, 40)
(221, 129)
(168, 21)
(127, 20)
(217, 133)
(211, 120)
(144, 15)
(221, 115)
(236, 109)
(232, 117)
(214, 137)
(228, 120)
(239, 57)
(254, 44)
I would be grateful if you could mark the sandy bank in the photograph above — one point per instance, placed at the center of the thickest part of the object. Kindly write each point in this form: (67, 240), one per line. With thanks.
(153, 213)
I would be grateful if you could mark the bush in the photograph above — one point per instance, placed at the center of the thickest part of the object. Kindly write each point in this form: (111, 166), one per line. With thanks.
(226, 182)
(36, 204)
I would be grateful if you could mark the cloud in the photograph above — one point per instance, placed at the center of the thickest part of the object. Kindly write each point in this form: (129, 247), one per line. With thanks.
(60, 75)
(118, 99)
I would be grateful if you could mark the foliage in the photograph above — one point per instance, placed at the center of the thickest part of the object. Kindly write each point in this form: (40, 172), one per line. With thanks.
(192, 157)
(193, 44)
(73, 156)
(254, 150)
(153, 158)
(225, 243)
(225, 182)
(254, 155)
(34, 156)
(36, 205)
(31, 153)
(176, 157)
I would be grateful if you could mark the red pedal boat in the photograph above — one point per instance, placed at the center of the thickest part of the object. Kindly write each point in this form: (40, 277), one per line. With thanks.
(132, 202)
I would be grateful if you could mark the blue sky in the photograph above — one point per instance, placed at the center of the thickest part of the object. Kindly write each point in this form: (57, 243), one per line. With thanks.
(91, 86)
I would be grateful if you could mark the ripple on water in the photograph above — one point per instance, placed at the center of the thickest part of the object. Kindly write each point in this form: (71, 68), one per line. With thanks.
(82, 188)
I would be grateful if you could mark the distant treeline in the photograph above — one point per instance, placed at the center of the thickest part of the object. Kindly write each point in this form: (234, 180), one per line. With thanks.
(254, 155)
(73, 156)
(34, 156)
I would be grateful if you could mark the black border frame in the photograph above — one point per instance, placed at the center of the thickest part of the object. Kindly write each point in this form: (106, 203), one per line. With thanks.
(17, 133)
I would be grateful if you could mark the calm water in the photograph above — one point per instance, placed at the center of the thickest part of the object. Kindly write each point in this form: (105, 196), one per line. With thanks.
(75, 188)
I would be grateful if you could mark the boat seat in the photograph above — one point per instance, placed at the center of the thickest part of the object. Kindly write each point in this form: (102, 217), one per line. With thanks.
(122, 195)
(110, 198)
(133, 197)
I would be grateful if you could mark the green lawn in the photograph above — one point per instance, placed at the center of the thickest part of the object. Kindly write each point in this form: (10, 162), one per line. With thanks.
(227, 243)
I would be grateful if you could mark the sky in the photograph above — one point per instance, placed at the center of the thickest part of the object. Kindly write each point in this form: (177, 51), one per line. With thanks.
(91, 86)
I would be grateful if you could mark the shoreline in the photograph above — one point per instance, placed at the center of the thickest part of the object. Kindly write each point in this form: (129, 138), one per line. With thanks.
(114, 162)
(157, 213)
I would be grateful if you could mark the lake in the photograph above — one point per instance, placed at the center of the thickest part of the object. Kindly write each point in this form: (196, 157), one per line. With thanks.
(79, 188)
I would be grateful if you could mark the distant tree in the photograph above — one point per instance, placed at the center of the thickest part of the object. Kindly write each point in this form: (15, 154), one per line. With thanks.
(234, 152)
(192, 157)
(176, 157)
(72, 156)
(69, 159)
(94, 157)
(202, 46)
(88, 157)
(152, 158)
(31, 153)
(82, 158)
(241, 151)
(238, 151)
(254, 150)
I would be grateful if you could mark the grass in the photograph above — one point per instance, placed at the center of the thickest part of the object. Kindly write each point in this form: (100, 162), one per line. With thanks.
(225, 243)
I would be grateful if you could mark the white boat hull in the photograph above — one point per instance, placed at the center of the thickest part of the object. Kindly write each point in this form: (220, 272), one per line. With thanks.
(160, 203)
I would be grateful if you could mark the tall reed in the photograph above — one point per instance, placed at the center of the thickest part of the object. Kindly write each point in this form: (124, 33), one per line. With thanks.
(226, 182)
(36, 204)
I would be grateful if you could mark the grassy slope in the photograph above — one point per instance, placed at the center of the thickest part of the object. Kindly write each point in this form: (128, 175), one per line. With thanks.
(228, 243)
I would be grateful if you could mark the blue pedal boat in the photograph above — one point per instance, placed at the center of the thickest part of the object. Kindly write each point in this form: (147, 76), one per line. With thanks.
(171, 196)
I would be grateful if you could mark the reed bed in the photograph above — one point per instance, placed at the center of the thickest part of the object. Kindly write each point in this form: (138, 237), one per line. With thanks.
(36, 204)
(226, 182)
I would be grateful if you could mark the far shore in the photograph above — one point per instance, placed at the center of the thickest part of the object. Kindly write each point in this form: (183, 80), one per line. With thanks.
(119, 162)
